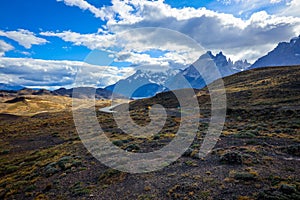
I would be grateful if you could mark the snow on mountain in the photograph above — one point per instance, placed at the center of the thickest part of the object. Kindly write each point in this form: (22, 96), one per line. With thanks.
(146, 82)
(143, 83)
(239, 65)
(286, 53)
(158, 77)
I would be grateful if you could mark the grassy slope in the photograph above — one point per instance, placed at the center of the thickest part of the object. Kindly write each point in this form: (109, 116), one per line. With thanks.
(29, 105)
(41, 156)
(277, 86)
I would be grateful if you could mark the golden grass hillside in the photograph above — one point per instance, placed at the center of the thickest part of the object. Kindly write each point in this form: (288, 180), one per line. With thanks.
(29, 105)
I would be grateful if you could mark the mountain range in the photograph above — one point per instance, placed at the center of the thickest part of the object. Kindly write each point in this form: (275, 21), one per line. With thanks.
(153, 82)
(286, 53)
(147, 83)
(100, 93)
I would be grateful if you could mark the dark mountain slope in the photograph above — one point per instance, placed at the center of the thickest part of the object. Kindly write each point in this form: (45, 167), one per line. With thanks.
(286, 53)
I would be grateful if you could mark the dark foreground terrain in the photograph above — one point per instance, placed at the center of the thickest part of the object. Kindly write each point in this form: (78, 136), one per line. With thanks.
(256, 157)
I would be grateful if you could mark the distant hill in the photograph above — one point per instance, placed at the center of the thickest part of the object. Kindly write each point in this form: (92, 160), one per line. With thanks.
(286, 53)
(28, 91)
(4, 86)
(99, 92)
(24, 91)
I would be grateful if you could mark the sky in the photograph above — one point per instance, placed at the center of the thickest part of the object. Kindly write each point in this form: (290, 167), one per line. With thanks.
(47, 43)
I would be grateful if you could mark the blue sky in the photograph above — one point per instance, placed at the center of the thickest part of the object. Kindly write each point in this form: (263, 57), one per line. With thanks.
(55, 38)
(36, 16)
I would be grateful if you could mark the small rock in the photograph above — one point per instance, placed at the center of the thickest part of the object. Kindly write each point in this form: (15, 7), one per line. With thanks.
(287, 189)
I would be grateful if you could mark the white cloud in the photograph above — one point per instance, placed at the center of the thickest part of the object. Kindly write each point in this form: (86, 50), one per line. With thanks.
(84, 5)
(131, 45)
(92, 41)
(24, 38)
(293, 9)
(215, 31)
(5, 47)
(50, 73)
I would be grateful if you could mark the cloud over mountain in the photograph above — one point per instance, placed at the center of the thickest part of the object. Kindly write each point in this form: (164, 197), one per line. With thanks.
(54, 74)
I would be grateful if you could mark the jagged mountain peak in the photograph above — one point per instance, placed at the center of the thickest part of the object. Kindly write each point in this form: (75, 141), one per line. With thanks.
(225, 67)
(294, 40)
(241, 65)
(218, 55)
(220, 59)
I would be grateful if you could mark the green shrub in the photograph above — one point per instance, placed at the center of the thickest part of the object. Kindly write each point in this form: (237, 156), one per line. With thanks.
(133, 147)
(231, 158)
(118, 143)
(30, 188)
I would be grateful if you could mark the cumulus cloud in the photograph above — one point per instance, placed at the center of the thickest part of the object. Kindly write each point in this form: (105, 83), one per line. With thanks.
(92, 41)
(5, 47)
(24, 38)
(133, 45)
(238, 38)
(50, 73)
